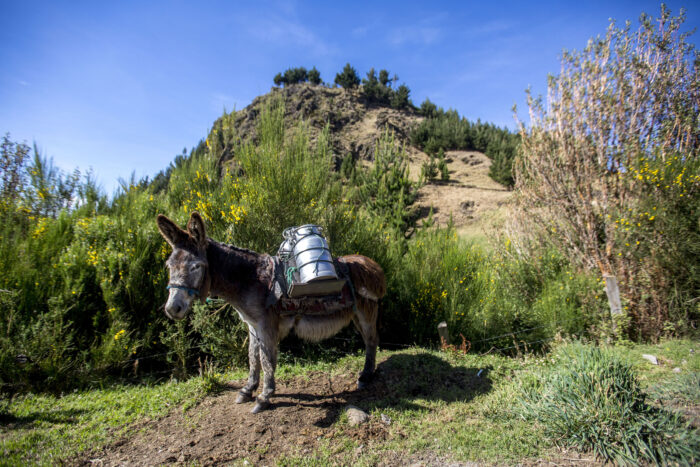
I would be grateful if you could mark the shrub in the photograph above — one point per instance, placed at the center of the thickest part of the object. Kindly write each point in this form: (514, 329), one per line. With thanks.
(87, 287)
(592, 400)
(496, 299)
(385, 189)
(613, 182)
(314, 76)
(401, 97)
(447, 131)
(296, 76)
(348, 78)
(428, 109)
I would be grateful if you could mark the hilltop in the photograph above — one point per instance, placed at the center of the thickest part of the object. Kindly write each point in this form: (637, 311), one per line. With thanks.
(355, 123)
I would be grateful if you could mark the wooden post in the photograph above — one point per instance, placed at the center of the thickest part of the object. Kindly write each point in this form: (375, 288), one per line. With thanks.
(613, 292)
(444, 333)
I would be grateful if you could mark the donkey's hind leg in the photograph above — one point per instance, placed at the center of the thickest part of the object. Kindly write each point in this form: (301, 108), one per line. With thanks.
(246, 392)
(365, 320)
(268, 357)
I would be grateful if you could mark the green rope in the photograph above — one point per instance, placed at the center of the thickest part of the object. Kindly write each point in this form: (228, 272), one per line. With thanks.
(290, 274)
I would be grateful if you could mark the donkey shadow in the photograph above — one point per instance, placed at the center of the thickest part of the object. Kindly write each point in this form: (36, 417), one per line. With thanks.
(402, 382)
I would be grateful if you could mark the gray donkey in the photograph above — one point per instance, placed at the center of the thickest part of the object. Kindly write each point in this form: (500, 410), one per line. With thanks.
(200, 266)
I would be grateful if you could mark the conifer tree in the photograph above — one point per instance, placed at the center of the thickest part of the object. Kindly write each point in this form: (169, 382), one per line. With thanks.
(314, 76)
(348, 78)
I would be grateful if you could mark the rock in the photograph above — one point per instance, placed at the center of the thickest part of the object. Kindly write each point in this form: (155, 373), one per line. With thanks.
(356, 416)
(386, 419)
(651, 358)
(676, 370)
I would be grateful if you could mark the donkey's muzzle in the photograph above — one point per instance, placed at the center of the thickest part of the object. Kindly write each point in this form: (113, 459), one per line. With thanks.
(175, 311)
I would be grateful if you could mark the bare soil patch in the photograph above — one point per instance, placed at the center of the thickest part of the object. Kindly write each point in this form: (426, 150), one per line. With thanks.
(471, 198)
(303, 414)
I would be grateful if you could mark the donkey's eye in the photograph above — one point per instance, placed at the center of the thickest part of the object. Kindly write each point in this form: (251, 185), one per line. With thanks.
(195, 267)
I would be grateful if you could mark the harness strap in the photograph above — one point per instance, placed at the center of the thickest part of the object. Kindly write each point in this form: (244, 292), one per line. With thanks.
(189, 291)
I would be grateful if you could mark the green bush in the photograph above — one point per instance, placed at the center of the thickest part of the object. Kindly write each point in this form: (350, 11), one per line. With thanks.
(347, 78)
(494, 299)
(592, 400)
(445, 130)
(605, 176)
(87, 283)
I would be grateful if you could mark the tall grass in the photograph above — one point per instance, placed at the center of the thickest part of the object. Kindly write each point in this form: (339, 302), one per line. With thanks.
(592, 400)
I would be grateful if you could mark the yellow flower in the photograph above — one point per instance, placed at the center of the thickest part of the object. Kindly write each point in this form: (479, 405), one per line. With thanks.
(119, 335)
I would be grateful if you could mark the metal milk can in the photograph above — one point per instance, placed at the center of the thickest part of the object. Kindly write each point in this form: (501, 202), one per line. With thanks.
(311, 253)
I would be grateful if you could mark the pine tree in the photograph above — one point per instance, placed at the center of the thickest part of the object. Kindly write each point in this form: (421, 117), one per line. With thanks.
(314, 76)
(384, 77)
(400, 99)
(348, 78)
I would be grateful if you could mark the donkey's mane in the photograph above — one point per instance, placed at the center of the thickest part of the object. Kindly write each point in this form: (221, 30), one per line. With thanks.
(235, 248)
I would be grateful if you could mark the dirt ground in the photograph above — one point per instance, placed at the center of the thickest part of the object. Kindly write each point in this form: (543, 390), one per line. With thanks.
(303, 413)
(302, 420)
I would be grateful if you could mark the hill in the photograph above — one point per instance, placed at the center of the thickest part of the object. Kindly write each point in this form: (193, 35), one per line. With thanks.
(355, 123)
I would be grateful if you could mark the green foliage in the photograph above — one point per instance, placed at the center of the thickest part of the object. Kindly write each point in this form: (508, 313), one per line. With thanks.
(314, 76)
(495, 300)
(348, 78)
(384, 77)
(379, 91)
(296, 76)
(13, 157)
(592, 400)
(428, 109)
(90, 281)
(606, 177)
(224, 336)
(429, 169)
(385, 189)
(447, 131)
(401, 97)
(434, 166)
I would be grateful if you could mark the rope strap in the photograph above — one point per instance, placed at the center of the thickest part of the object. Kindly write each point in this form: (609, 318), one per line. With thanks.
(189, 291)
(290, 274)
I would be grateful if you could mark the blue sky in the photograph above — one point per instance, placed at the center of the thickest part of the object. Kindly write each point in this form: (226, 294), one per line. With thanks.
(124, 86)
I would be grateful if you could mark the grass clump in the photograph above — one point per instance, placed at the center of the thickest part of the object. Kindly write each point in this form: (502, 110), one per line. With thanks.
(592, 400)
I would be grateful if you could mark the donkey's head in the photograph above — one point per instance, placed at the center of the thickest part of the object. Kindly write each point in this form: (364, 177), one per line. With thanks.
(187, 264)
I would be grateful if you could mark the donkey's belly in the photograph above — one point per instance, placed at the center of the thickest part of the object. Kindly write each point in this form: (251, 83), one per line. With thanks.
(319, 327)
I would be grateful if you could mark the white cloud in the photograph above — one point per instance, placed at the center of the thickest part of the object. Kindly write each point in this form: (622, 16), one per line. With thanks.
(22, 83)
(285, 32)
(414, 35)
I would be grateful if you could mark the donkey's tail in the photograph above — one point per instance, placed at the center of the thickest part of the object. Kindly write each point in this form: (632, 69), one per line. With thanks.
(366, 275)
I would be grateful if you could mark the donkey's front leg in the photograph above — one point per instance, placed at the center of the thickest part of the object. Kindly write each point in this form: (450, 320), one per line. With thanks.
(268, 357)
(246, 392)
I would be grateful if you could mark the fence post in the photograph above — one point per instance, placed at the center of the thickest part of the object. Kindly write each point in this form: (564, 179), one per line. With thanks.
(613, 292)
(444, 333)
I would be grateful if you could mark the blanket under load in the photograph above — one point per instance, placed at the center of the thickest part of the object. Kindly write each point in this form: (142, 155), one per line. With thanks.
(279, 299)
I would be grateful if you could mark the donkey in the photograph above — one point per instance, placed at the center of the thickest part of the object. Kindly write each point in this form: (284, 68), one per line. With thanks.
(200, 266)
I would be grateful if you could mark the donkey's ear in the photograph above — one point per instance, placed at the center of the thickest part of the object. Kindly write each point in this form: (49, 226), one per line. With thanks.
(197, 231)
(172, 234)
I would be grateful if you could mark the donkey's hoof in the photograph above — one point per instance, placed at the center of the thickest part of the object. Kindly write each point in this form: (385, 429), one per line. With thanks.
(260, 406)
(362, 384)
(242, 398)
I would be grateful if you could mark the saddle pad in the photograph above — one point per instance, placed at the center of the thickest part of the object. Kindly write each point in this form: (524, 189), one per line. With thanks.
(311, 305)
